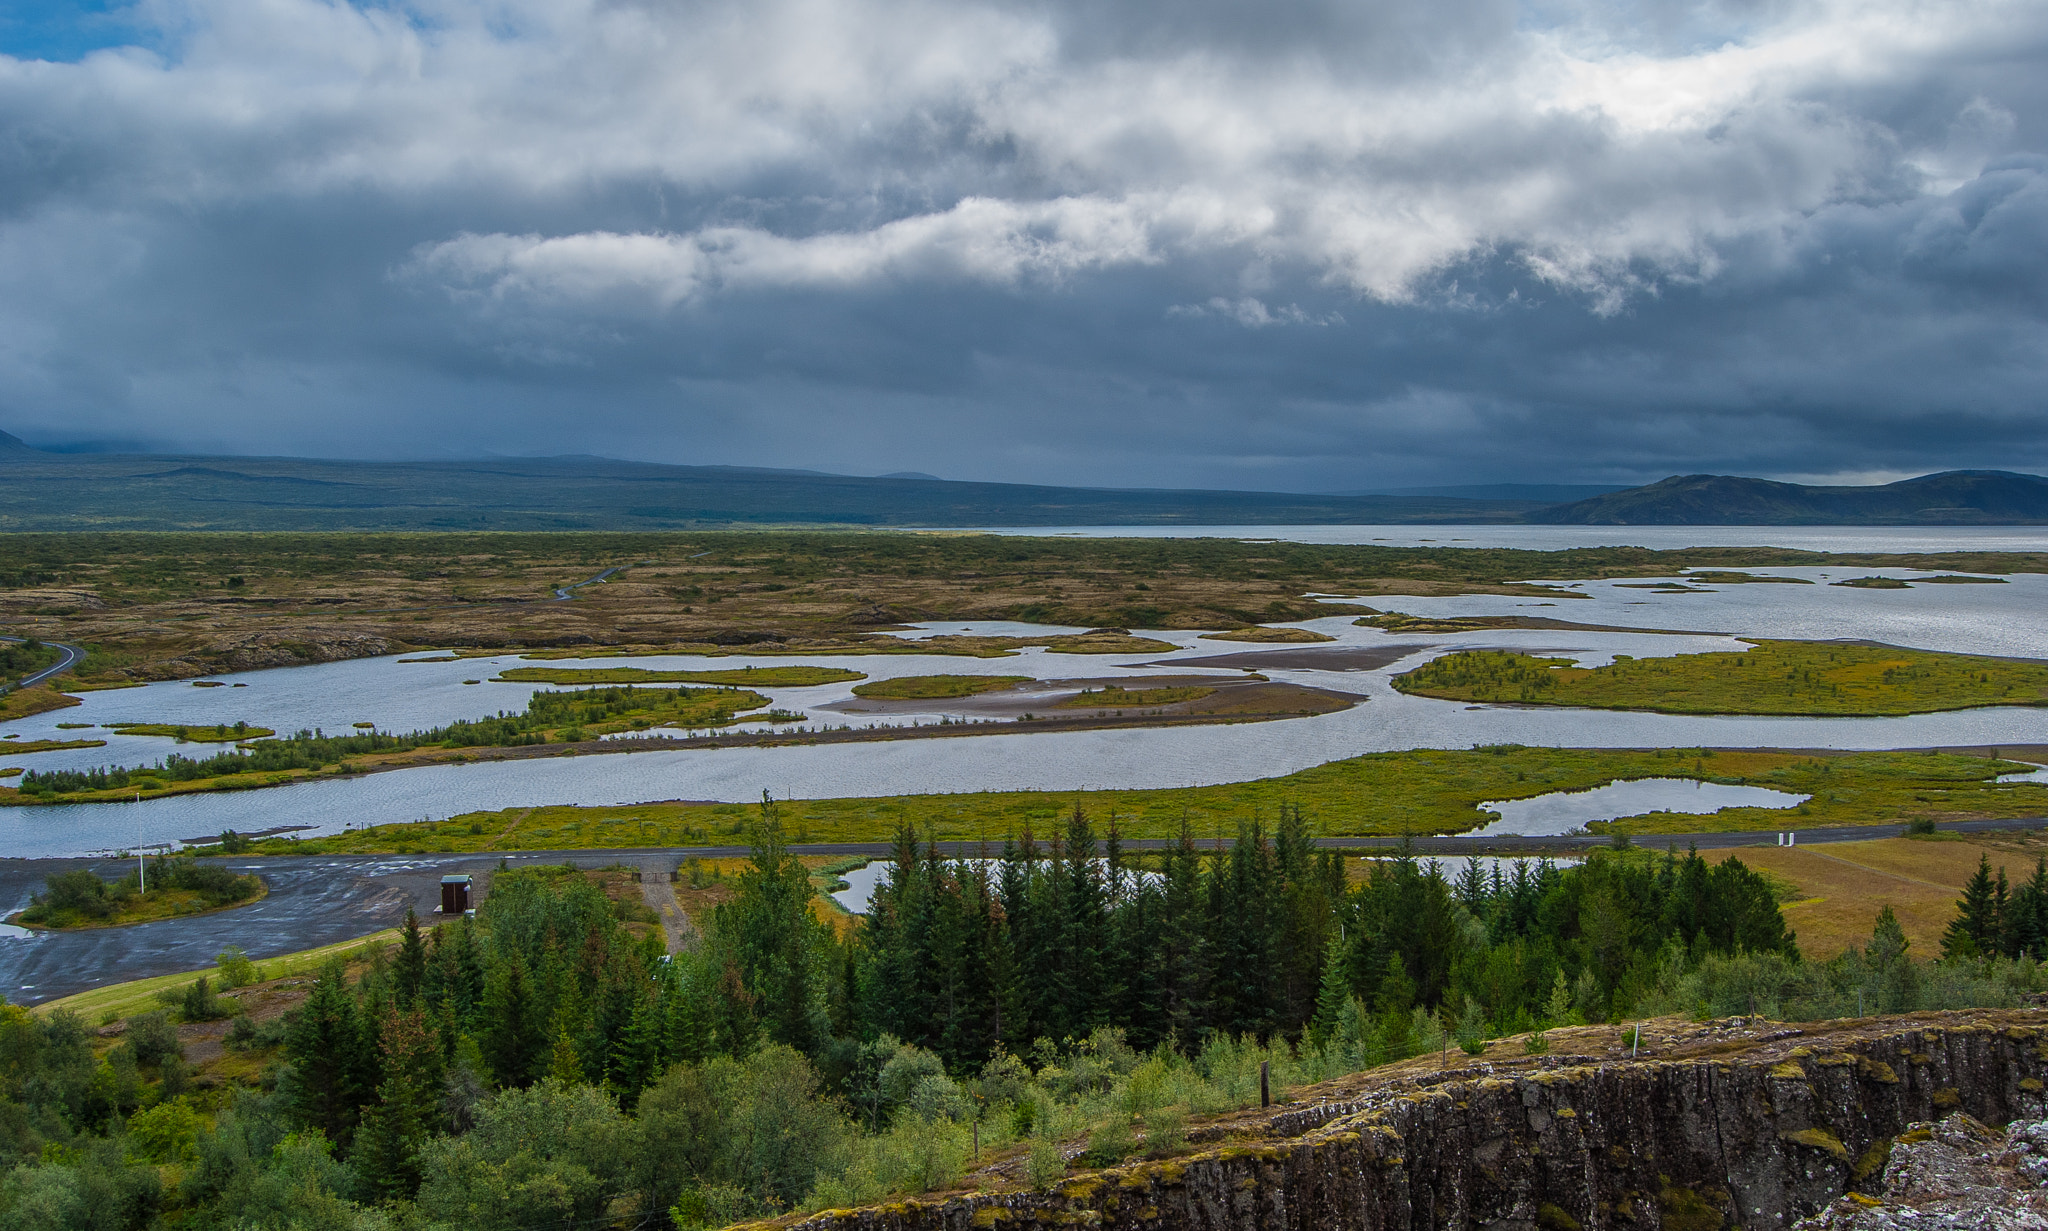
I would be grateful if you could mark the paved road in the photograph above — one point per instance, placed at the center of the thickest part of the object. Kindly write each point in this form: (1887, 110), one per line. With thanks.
(72, 657)
(324, 899)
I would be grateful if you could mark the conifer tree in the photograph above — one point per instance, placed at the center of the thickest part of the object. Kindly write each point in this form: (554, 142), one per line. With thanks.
(409, 972)
(1974, 930)
(1333, 996)
(334, 1066)
(406, 1112)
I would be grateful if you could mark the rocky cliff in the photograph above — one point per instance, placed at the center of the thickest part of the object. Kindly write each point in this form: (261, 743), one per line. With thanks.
(1724, 1127)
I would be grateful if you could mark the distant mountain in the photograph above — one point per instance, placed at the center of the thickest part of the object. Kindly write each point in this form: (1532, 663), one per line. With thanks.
(48, 491)
(1952, 498)
(1541, 493)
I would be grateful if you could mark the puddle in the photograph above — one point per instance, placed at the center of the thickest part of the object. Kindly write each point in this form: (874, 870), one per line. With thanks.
(11, 931)
(2038, 775)
(1562, 812)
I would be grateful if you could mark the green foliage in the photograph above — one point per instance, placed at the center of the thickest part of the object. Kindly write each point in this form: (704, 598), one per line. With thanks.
(549, 1155)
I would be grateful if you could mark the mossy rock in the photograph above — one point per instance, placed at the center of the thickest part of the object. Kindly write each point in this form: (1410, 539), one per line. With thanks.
(1686, 1210)
(1554, 1218)
(1873, 1161)
(1819, 1139)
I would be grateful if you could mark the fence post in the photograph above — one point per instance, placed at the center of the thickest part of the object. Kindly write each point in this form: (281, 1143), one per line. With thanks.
(1265, 1088)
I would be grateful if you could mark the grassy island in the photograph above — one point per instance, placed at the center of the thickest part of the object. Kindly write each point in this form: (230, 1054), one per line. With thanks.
(175, 887)
(549, 717)
(1385, 793)
(219, 733)
(744, 677)
(1805, 678)
(935, 687)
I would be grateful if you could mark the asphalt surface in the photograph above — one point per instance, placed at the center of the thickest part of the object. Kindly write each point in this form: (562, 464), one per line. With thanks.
(319, 900)
(72, 656)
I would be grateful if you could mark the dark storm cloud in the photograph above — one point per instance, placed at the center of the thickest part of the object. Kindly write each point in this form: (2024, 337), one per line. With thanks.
(1316, 245)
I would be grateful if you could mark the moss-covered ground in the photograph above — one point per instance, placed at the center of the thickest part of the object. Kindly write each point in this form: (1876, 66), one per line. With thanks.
(1775, 677)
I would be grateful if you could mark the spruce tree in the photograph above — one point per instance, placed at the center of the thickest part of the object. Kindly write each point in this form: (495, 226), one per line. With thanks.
(1333, 995)
(1973, 932)
(333, 1065)
(407, 1110)
(409, 972)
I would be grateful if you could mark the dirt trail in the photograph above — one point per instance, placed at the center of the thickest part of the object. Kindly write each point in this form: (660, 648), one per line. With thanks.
(657, 889)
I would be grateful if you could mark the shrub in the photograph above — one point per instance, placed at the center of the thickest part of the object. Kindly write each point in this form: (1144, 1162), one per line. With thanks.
(236, 970)
(1920, 826)
(1166, 1130)
(72, 895)
(1045, 1163)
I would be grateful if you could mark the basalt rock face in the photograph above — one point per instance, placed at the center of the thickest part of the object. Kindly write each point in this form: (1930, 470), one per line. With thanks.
(1760, 1139)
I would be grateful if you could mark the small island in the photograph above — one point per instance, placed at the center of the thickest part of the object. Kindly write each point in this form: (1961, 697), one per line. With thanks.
(1794, 678)
(173, 887)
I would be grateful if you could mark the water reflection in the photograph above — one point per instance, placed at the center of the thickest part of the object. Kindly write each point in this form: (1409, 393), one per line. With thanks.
(1561, 812)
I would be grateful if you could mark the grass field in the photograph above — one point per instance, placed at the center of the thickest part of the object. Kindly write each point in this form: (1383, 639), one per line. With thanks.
(118, 1000)
(1843, 884)
(745, 677)
(1775, 677)
(935, 687)
(1419, 792)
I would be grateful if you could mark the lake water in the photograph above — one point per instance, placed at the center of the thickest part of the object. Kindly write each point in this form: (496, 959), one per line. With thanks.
(1562, 812)
(2009, 619)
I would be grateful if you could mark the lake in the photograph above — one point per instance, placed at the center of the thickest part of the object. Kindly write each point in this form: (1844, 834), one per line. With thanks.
(2009, 619)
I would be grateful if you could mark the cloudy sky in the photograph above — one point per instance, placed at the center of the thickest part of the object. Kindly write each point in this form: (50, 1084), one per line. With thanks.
(1316, 245)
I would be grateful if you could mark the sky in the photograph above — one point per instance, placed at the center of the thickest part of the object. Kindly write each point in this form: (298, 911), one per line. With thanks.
(1287, 245)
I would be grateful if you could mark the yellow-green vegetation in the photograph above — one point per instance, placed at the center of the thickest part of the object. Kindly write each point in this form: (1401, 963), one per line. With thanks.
(1388, 793)
(1875, 583)
(745, 677)
(1775, 677)
(50, 745)
(1116, 696)
(1262, 635)
(220, 733)
(24, 702)
(119, 1000)
(935, 687)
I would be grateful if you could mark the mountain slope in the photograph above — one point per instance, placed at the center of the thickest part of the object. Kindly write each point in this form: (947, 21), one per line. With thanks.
(43, 491)
(1951, 498)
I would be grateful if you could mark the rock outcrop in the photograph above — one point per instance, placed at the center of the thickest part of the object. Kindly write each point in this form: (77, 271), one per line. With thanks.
(1955, 1175)
(1759, 1132)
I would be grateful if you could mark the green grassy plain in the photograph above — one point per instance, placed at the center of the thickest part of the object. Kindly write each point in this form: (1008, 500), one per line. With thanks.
(1388, 793)
(745, 677)
(1776, 677)
(119, 1000)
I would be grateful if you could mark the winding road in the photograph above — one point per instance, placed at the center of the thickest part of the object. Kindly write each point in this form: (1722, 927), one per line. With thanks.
(72, 657)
